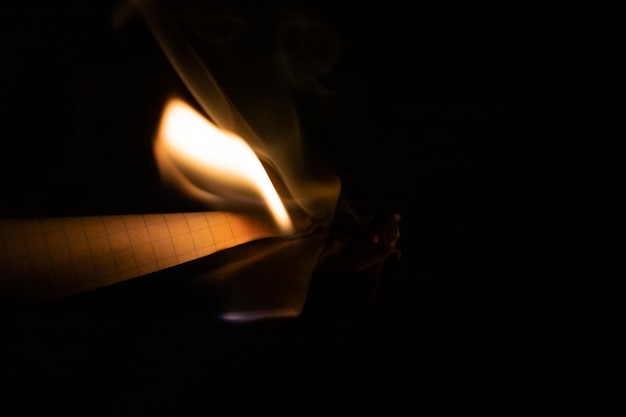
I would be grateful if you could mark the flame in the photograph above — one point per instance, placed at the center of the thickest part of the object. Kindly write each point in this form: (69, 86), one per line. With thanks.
(270, 127)
(212, 163)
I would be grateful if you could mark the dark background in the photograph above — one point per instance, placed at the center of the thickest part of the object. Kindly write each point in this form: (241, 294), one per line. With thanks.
(486, 129)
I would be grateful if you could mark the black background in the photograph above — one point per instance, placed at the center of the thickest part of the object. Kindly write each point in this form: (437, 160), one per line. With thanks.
(486, 129)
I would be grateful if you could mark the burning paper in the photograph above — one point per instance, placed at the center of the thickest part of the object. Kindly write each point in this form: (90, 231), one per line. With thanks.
(261, 262)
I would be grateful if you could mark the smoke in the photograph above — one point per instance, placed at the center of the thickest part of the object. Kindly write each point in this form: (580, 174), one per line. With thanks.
(241, 67)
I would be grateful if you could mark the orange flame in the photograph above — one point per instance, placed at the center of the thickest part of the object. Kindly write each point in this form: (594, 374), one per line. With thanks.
(211, 163)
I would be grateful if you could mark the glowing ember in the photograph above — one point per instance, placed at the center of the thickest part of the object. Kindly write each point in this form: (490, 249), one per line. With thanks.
(212, 164)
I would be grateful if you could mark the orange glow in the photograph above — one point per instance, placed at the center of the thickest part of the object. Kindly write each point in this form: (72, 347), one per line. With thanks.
(213, 164)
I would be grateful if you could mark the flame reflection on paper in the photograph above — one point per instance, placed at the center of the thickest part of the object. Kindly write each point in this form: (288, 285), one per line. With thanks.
(212, 164)
(246, 316)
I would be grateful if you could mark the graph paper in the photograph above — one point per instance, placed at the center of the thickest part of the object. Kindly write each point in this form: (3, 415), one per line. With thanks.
(46, 258)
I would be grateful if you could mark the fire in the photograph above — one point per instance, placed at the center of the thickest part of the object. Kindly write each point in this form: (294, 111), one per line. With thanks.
(213, 164)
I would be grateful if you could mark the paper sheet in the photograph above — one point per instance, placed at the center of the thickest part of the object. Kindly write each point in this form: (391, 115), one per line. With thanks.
(45, 258)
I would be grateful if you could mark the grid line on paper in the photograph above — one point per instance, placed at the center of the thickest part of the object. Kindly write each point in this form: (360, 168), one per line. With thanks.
(56, 257)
